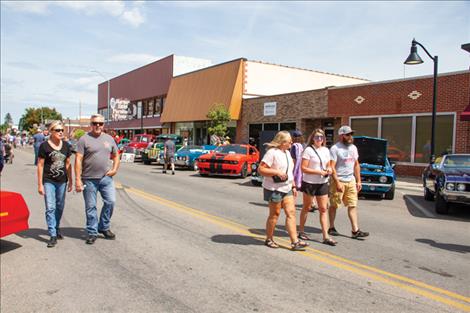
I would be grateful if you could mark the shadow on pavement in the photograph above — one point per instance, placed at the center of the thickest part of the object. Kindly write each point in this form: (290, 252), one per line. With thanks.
(6, 246)
(237, 240)
(262, 204)
(445, 246)
(247, 184)
(43, 236)
(457, 212)
(262, 232)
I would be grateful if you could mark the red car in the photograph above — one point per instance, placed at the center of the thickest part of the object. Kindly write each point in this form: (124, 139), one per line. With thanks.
(138, 144)
(14, 213)
(228, 160)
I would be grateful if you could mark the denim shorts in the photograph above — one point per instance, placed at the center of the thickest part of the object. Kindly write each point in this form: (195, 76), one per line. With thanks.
(275, 196)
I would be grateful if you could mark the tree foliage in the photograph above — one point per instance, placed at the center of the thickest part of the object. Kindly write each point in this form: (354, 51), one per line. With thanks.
(33, 116)
(78, 133)
(218, 116)
(8, 119)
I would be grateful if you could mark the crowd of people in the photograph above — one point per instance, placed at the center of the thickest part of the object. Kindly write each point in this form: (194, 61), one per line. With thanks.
(331, 177)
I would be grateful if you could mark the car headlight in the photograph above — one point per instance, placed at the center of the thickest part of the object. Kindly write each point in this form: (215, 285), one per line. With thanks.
(383, 179)
(450, 186)
(461, 187)
(253, 167)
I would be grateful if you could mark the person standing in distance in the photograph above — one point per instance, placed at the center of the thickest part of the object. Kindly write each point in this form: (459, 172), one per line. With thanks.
(39, 138)
(93, 174)
(346, 182)
(169, 155)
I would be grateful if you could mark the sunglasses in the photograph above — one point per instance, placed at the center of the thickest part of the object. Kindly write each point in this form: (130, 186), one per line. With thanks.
(348, 135)
(97, 123)
(58, 130)
(318, 137)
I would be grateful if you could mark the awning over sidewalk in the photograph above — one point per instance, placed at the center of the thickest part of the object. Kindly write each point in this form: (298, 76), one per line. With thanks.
(192, 95)
(465, 116)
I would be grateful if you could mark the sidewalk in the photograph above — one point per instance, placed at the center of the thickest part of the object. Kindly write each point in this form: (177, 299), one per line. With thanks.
(410, 183)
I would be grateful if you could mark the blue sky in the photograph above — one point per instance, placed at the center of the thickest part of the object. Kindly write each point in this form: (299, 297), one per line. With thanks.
(49, 49)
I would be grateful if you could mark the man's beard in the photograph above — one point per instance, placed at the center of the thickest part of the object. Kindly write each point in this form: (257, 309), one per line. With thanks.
(347, 141)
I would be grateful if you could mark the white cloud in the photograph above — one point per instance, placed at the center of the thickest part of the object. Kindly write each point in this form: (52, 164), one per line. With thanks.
(132, 16)
(133, 58)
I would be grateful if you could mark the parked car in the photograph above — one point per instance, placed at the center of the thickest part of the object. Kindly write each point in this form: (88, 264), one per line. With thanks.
(377, 174)
(256, 178)
(447, 181)
(154, 150)
(186, 156)
(138, 144)
(228, 160)
(14, 213)
(123, 144)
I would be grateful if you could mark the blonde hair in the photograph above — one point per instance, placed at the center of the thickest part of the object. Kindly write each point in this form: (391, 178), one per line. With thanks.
(53, 124)
(319, 131)
(280, 138)
(97, 116)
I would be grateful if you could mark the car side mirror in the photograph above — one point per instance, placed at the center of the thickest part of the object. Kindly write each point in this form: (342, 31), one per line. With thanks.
(393, 165)
(435, 166)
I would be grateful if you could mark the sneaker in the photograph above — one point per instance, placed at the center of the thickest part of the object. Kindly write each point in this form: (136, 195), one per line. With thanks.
(52, 242)
(91, 239)
(173, 173)
(359, 234)
(59, 235)
(108, 234)
(333, 232)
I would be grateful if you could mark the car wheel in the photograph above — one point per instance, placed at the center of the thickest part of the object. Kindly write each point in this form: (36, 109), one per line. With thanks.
(390, 194)
(244, 171)
(428, 195)
(441, 204)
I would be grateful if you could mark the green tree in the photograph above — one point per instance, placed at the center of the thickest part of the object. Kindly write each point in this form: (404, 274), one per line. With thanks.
(8, 119)
(38, 116)
(218, 116)
(78, 133)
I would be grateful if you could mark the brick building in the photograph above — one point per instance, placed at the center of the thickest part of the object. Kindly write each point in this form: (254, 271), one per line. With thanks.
(400, 111)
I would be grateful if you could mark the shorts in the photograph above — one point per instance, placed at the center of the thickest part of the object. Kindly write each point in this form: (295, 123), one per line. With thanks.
(275, 196)
(169, 159)
(314, 189)
(348, 196)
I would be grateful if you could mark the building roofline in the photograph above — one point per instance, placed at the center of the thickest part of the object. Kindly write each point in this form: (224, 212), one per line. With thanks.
(212, 66)
(288, 94)
(309, 70)
(402, 79)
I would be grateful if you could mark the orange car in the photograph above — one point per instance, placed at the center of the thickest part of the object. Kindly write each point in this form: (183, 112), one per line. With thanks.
(228, 160)
(14, 213)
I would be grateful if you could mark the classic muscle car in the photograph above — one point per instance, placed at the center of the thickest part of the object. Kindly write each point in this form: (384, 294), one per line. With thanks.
(154, 150)
(447, 181)
(14, 213)
(138, 145)
(256, 178)
(377, 174)
(228, 160)
(186, 156)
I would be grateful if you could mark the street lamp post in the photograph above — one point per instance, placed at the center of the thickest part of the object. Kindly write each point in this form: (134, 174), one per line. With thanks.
(414, 59)
(109, 86)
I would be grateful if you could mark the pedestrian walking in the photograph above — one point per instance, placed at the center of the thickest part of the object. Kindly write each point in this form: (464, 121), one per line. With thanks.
(169, 156)
(38, 140)
(346, 183)
(93, 174)
(2, 153)
(54, 173)
(279, 188)
(316, 171)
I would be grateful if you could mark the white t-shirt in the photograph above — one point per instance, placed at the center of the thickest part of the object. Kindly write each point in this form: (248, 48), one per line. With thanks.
(277, 159)
(314, 164)
(345, 158)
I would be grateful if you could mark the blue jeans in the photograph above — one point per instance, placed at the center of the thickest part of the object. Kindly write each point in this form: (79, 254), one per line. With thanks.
(54, 195)
(36, 154)
(105, 186)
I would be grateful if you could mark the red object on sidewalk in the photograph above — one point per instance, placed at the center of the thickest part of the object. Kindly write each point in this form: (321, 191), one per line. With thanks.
(14, 213)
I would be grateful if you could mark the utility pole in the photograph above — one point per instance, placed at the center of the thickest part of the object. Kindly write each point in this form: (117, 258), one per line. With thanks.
(80, 113)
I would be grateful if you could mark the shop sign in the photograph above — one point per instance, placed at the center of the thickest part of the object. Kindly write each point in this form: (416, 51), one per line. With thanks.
(120, 109)
(270, 108)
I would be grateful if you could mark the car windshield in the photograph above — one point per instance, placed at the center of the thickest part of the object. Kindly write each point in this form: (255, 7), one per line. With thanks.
(457, 161)
(187, 148)
(231, 149)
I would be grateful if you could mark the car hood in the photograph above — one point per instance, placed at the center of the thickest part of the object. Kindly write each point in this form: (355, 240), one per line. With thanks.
(229, 156)
(372, 151)
(457, 174)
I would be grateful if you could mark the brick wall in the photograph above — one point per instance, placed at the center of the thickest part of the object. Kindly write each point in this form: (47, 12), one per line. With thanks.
(292, 107)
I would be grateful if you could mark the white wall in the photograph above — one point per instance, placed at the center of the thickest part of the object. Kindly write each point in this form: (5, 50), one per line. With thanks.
(269, 79)
(182, 65)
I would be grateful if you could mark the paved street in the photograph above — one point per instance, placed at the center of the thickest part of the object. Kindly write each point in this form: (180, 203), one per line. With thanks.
(191, 244)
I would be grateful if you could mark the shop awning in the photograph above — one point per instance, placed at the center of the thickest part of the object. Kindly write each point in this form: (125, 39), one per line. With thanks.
(192, 95)
(465, 116)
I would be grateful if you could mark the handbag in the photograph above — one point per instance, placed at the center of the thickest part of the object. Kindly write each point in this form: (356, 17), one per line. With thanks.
(277, 178)
(321, 163)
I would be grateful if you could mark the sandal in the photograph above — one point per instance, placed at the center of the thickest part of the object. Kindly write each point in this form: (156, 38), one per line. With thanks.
(271, 244)
(330, 242)
(303, 236)
(298, 246)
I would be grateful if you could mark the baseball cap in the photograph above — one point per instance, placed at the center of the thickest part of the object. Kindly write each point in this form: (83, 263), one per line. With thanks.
(344, 130)
(297, 133)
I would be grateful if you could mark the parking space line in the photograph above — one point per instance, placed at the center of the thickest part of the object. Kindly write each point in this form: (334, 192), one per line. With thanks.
(414, 286)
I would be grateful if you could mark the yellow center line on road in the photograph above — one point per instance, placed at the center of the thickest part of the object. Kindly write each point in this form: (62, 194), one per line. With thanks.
(416, 287)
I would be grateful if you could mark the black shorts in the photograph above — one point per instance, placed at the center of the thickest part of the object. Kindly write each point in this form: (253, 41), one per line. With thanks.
(314, 189)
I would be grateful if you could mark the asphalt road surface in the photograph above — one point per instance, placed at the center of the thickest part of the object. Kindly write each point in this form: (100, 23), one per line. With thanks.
(191, 244)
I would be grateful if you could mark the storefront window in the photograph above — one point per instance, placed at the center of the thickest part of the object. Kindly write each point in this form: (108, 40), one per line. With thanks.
(398, 132)
(287, 126)
(271, 126)
(443, 140)
(158, 106)
(151, 106)
(365, 126)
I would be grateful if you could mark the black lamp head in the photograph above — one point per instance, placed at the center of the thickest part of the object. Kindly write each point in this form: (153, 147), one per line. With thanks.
(413, 58)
